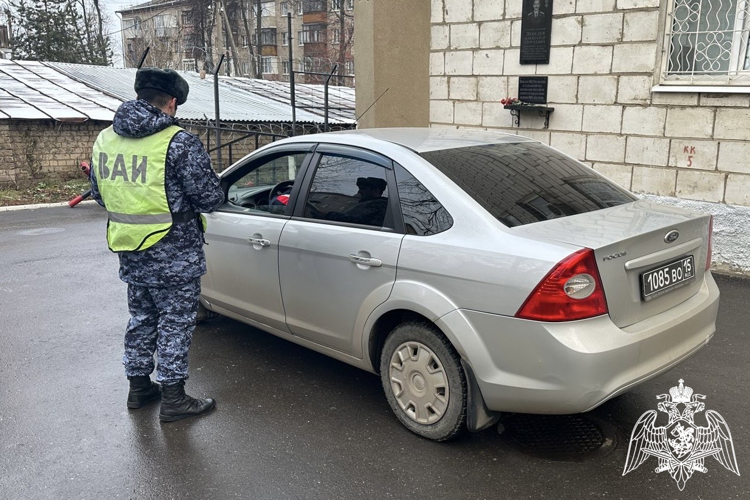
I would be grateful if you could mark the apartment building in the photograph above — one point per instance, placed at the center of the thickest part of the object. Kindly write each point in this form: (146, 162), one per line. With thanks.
(181, 34)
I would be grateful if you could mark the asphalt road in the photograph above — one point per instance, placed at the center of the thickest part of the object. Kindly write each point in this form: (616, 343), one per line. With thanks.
(290, 423)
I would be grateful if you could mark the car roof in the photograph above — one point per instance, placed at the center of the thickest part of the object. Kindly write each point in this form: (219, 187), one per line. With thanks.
(422, 140)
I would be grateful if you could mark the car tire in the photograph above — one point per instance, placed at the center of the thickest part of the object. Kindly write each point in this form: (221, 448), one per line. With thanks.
(203, 314)
(423, 381)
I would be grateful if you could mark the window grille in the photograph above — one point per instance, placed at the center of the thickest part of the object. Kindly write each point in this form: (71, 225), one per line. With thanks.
(707, 42)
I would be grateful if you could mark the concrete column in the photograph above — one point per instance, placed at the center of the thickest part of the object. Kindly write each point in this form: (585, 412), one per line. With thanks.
(392, 55)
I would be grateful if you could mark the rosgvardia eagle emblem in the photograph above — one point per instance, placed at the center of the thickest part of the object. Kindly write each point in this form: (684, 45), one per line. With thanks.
(681, 446)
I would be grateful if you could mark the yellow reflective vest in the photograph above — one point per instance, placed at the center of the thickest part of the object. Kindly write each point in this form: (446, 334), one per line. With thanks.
(130, 174)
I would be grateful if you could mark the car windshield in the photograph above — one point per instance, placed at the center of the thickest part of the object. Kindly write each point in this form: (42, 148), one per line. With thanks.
(526, 182)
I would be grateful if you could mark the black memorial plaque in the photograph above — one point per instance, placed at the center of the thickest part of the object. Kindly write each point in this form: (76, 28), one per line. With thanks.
(536, 26)
(532, 89)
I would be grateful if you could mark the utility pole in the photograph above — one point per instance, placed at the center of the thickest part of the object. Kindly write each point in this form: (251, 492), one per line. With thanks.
(219, 29)
(259, 44)
(292, 95)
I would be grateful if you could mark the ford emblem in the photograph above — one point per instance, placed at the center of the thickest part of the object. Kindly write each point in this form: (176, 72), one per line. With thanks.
(672, 236)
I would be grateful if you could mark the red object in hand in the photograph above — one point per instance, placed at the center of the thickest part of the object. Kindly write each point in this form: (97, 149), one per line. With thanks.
(78, 199)
(85, 168)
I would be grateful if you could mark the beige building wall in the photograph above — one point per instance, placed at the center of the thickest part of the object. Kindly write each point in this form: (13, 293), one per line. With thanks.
(391, 50)
(605, 59)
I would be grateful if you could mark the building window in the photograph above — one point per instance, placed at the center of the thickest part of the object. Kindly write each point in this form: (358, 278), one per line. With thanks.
(707, 42)
(132, 27)
(284, 67)
(314, 33)
(266, 9)
(268, 64)
(336, 4)
(284, 38)
(268, 36)
(349, 67)
(300, 41)
(163, 25)
(187, 18)
(244, 40)
(188, 65)
(336, 35)
(300, 8)
(314, 5)
(284, 8)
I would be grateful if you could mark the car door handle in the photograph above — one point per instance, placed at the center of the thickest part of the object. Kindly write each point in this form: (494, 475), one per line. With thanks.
(259, 241)
(365, 261)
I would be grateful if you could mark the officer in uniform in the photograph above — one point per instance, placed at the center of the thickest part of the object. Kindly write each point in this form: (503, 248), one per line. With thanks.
(154, 179)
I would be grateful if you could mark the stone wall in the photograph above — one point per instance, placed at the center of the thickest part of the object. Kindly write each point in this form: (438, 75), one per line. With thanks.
(32, 150)
(604, 61)
(36, 150)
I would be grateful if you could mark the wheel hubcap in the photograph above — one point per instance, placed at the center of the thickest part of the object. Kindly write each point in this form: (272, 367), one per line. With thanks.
(419, 382)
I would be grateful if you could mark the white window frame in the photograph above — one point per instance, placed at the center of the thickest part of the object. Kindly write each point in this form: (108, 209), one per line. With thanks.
(300, 9)
(735, 76)
(268, 65)
(285, 68)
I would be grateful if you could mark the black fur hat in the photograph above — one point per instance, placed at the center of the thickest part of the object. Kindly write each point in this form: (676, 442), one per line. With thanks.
(164, 80)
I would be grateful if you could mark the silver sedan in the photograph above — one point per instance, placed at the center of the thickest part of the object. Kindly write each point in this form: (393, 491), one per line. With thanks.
(475, 272)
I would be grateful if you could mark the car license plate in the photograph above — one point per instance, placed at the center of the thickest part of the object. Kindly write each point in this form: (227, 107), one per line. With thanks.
(667, 278)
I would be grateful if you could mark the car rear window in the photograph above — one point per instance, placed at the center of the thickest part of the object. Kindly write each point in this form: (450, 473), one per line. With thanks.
(527, 182)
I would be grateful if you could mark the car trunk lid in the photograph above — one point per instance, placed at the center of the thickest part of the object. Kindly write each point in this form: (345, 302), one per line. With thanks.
(629, 242)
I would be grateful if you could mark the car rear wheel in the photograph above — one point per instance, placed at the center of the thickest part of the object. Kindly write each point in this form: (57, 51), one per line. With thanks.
(423, 381)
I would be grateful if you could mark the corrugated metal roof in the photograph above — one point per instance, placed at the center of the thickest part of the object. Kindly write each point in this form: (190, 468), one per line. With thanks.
(76, 92)
(32, 91)
(237, 103)
(341, 103)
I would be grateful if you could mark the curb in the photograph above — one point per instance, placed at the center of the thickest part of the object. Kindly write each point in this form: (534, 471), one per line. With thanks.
(13, 208)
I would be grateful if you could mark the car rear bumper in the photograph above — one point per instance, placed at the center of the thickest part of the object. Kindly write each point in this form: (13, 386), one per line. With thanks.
(572, 367)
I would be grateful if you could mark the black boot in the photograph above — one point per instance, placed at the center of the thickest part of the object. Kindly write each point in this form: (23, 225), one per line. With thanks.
(142, 391)
(176, 405)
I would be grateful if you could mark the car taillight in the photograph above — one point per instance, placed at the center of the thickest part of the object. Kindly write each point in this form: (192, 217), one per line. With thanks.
(572, 290)
(710, 242)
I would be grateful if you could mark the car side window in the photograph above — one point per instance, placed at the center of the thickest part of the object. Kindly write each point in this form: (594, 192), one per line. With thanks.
(423, 214)
(266, 187)
(346, 189)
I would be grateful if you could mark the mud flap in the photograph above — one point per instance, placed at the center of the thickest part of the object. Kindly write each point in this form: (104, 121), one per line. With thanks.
(478, 416)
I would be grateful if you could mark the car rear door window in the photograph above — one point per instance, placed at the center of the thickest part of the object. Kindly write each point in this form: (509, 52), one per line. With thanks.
(423, 214)
(346, 189)
(525, 182)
